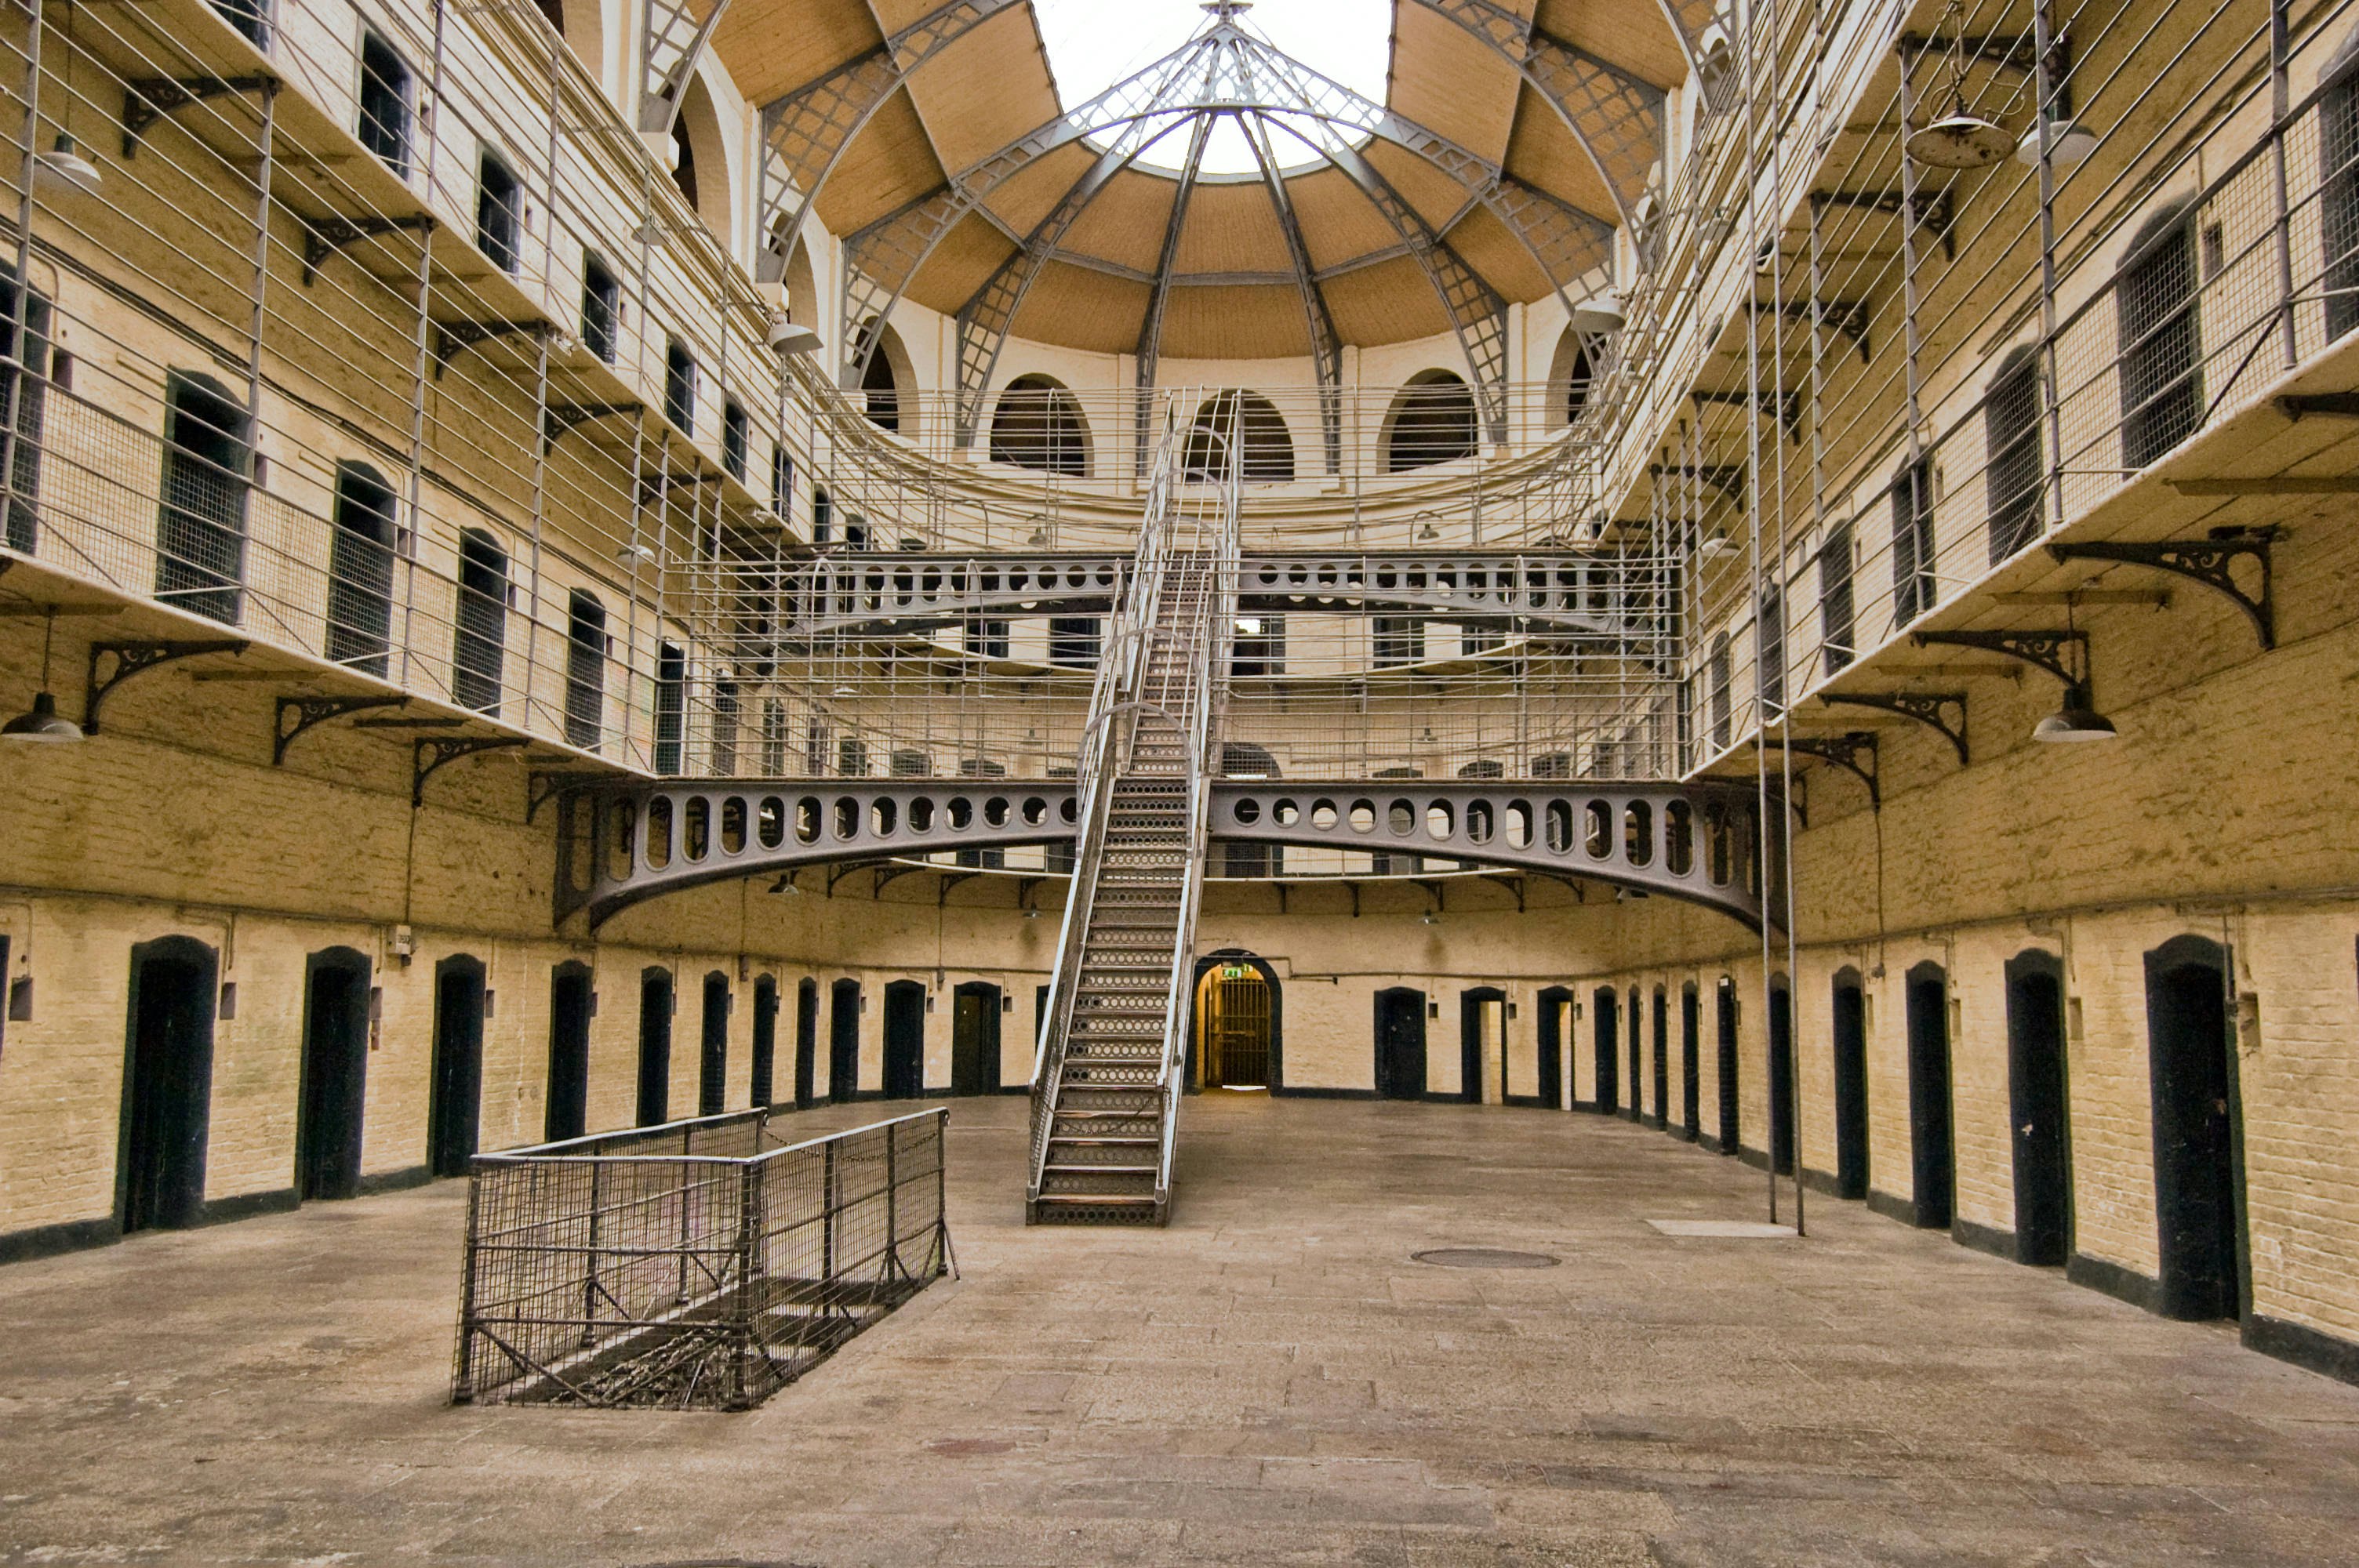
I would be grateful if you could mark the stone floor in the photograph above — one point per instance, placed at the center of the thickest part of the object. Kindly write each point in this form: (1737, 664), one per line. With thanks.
(1271, 1381)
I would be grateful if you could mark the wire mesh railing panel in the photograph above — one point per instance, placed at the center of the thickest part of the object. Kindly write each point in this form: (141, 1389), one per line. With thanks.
(700, 1265)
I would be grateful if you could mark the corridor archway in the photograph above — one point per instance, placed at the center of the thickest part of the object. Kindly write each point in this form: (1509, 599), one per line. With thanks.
(333, 1078)
(1236, 1034)
(2199, 1178)
(167, 1086)
(1482, 1044)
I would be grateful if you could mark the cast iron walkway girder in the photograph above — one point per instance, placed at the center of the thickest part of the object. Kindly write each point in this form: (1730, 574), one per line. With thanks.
(1581, 593)
(806, 133)
(882, 260)
(1680, 841)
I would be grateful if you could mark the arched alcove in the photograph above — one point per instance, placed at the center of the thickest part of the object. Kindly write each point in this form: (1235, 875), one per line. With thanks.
(1248, 419)
(1570, 371)
(700, 159)
(1038, 424)
(1431, 421)
(888, 382)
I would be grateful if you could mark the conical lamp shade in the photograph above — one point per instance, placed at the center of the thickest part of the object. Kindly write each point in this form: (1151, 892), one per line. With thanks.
(43, 723)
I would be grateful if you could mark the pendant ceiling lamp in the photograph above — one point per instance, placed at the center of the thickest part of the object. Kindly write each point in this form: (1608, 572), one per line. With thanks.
(42, 722)
(1958, 139)
(64, 162)
(2077, 719)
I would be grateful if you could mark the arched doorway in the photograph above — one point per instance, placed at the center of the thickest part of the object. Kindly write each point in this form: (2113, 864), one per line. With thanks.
(334, 1075)
(1549, 1031)
(1724, 1054)
(655, 1045)
(1608, 1050)
(1400, 1044)
(806, 1045)
(974, 1038)
(1781, 1077)
(167, 1086)
(904, 1040)
(567, 1113)
(764, 1088)
(1431, 421)
(712, 1055)
(455, 1099)
(2036, 1097)
(844, 1042)
(1690, 1066)
(1662, 1112)
(1933, 1168)
(1849, 1012)
(1482, 1044)
(1236, 1036)
(2199, 1178)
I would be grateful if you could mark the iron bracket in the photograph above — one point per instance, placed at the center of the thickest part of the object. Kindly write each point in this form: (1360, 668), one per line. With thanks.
(1788, 410)
(2335, 404)
(1931, 209)
(455, 337)
(134, 658)
(837, 873)
(323, 237)
(429, 757)
(2007, 52)
(2211, 562)
(2040, 650)
(311, 712)
(1845, 751)
(1843, 318)
(1726, 478)
(544, 787)
(1929, 709)
(561, 417)
(148, 99)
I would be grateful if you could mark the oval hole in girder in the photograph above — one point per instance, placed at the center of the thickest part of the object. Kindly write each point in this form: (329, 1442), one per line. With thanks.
(1597, 836)
(770, 822)
(808, 811)
(733, 825)
(660, 832)
(1440, 821)
(1638, 832)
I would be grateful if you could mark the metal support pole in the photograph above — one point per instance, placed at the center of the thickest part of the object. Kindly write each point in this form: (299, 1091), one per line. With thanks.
(1749, 42)
(21, 312)
(2052, 479)
(421, 362)
(2279, 94)
(590, 1256)
(1785, 754)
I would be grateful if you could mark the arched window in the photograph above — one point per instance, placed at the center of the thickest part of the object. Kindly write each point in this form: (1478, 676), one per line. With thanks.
(483, 622)
(2011, 448)
(1431, 421)
(2161, 342)
(679, 385)
(2338, 190)
(499, 213)
(359, 569)
(1913, 588)
(1039, 425)
(586, 669)
(885, 376)
(1570, 374)
(1248, 419)
(201, 527)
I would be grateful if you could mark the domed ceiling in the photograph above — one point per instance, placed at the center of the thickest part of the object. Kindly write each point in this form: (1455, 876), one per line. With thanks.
(1512, 139)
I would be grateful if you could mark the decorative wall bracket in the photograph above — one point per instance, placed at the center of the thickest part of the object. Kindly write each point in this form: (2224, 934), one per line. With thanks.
(2040, 650)
(136, 658)
(1726, 478)
(1930, 708)
(1854, 751)
(1787, 410)
(1931, 210)
(561, 417)
(429, 757)
(2211, 562)
(1843, 318)
(455, 337)
(547, 786)
(323, 237)
(311, 712)
(149, 99)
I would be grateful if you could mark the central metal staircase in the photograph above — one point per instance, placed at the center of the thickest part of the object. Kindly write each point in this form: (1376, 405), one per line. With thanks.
(1107, 1083)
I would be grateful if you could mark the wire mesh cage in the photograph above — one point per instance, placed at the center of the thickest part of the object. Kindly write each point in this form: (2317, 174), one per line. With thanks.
(700, 1265)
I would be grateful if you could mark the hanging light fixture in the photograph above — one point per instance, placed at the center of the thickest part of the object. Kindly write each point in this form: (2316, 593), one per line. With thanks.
(2068, 142)
(1959, 139)
(2077, 719)
(788, 338)
(1600, 314)
(64, 161)
(42, 721)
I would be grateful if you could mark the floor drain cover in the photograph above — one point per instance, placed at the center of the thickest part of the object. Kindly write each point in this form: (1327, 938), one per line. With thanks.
(1483, 1258)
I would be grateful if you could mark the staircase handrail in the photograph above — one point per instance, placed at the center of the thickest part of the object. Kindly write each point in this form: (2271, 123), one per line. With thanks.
(1120, 668)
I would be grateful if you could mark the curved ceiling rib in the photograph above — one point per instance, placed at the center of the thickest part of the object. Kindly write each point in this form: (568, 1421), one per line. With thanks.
(1616, 118)
(1326, 343)
(1150, 350)
(671, 41)
(1693, 21)
(1221, 71)
(806, 132)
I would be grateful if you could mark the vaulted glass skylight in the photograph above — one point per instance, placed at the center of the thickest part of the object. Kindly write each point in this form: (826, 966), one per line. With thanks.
(1093, 45)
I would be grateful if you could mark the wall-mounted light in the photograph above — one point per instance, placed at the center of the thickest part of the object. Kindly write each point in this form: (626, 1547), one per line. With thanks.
(42, 722)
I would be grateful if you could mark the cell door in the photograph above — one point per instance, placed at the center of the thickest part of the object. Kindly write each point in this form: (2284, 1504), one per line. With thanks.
(1400, 1044)
(1850, 1019)
(975, 1040)
(168, 1086)
(455, 1101)
(1932, 1160)
(2198, 1165)
(1236, 1029)
(2034, 1062)
(904, 1040)
(567, 1114)
(335, 1060)
(843, 1043)
(806, 1045)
